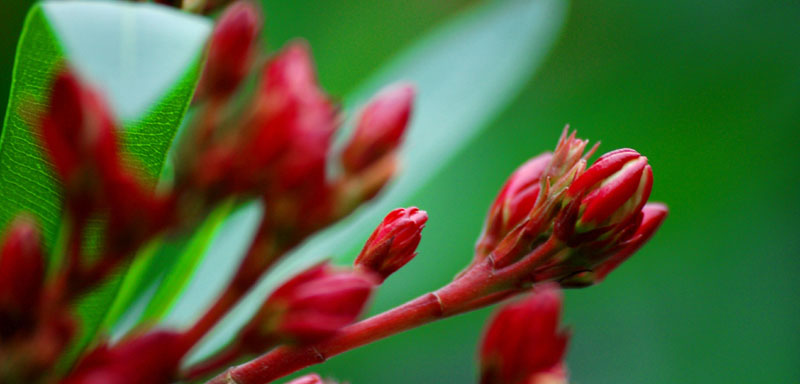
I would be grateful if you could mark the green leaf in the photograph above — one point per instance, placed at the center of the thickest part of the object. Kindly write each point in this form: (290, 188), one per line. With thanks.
(146, 59)
(466, 72)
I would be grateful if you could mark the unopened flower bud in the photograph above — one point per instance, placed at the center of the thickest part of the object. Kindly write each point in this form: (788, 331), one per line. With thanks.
(79, 135)
(653, 214)
(310, 307)
(310, 379)
(393, 243)
(513, 203)
(524, 342)
(21, 276)
(380, 127)
(606, 196)
(231, 49)
(150, 358)
(293, 124)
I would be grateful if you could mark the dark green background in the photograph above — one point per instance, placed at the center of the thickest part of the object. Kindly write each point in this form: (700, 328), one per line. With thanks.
(708, 90)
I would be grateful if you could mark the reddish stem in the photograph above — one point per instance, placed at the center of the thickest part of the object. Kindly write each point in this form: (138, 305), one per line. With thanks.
(479, 286)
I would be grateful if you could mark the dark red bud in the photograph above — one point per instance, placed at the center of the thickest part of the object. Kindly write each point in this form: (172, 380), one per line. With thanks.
(231, 49)
(310, 307)
(151, 358)
(524, 340)
(78, 131)
(21, 276)
(293, 126)
(380, 127)
(394, 242)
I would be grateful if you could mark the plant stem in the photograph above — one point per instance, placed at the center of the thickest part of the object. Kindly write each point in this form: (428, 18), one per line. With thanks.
(479, 286)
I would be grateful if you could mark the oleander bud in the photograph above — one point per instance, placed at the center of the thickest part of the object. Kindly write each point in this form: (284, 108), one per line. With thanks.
(605, 197)
(80, 137)
(513, 203)
(231, 49)
(21, 277)
(310, 379)
(393, 243)
(149, 358)
(310, 307)
(293, 124)
(523, 343)
(380, 127)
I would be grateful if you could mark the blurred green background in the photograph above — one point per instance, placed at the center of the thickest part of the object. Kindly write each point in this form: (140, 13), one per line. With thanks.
(709, 91)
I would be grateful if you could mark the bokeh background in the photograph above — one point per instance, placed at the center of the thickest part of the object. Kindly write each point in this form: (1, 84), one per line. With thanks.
(708, 90)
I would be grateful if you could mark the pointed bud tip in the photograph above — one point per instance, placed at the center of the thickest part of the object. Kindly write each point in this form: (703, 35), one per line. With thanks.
(393, 243)
(380, 127)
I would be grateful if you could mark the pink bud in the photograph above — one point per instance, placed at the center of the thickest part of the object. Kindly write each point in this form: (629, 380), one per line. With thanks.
(308, 379)
(310, 307)
(231, 48)
(394, 242)
(514, 202)
(150, 358)
(21, 276)
(380, 127)
(653, 214)
(524, 341)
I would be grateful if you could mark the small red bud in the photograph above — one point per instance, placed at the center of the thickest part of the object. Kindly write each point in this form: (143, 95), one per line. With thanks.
(380, 127)
(21, 276)
(653, 214)
(310, 307)
(231, 48)
(524, 341)
(393, 243)
(151, 358)
(514, 202)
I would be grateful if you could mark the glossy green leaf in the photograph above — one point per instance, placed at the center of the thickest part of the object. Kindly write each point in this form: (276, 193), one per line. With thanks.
(466, 72)
(145, 59)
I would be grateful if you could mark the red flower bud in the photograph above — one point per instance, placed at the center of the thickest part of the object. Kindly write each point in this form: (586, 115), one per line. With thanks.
(393, 243)
(231, 49)
(514, 202)
(310, 307)
(606, 196)
(653, 214)
(81, 139)
(380, 127)
(21, 277)
(293, 125)
(79, 134)
(524, 341)
(151, 358)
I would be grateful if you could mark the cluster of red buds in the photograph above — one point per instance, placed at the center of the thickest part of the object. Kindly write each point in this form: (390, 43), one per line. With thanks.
(556, 221)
